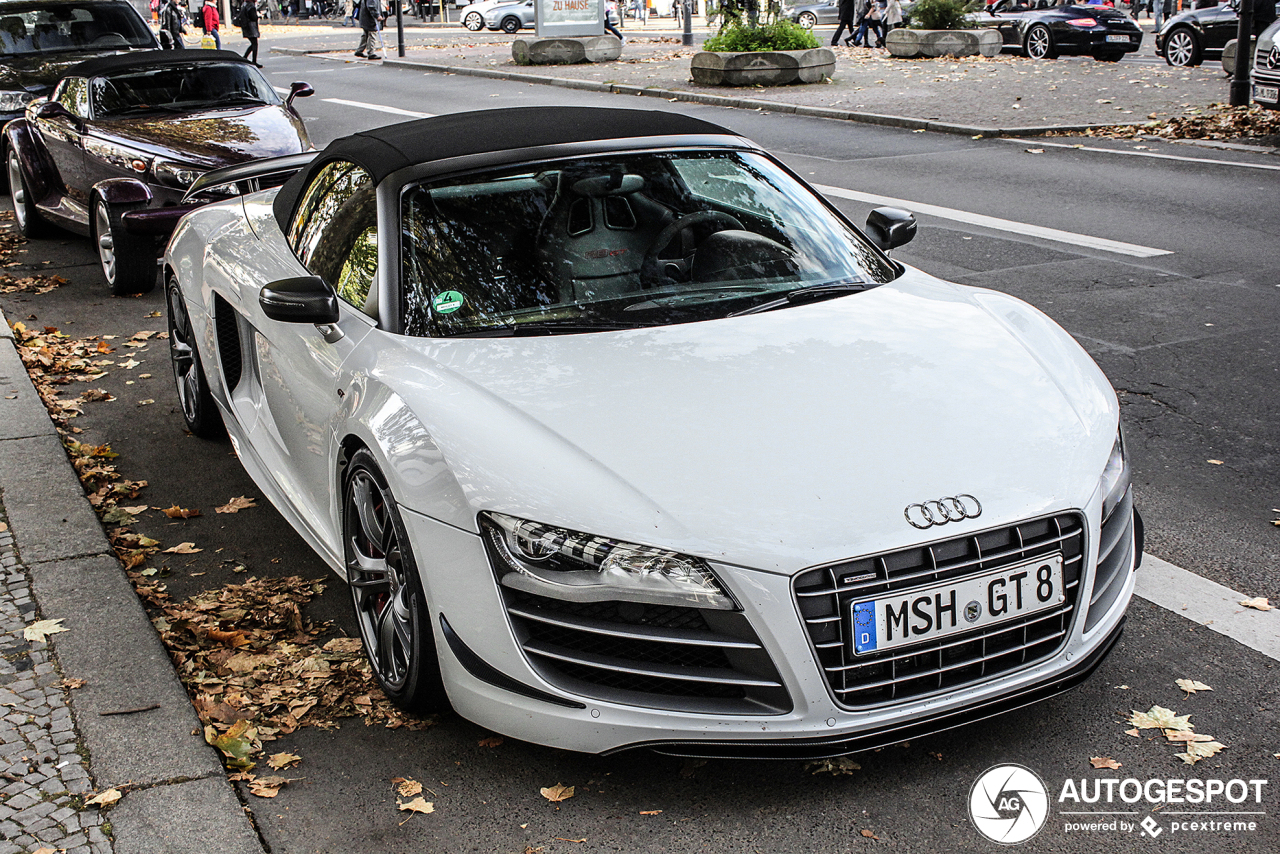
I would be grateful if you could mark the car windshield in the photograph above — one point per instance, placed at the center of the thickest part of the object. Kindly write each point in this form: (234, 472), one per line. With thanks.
(621, 241)
(38, 28)
(180, 88)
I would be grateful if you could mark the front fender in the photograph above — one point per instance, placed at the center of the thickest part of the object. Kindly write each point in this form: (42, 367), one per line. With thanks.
(123, 191)
(37, 166)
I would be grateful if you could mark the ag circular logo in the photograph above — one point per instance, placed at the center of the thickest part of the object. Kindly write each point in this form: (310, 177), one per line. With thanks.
(1008, 804)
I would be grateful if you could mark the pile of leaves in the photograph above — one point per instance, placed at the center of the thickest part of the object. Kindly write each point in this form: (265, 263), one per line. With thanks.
(1218, 122)
(54, 360)
(256, 669)
(10, 241)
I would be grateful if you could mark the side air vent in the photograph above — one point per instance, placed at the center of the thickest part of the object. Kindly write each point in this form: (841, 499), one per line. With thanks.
(228, 331)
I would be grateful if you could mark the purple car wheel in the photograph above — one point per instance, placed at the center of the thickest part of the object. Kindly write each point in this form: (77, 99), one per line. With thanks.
(24, 208)
(128, 262)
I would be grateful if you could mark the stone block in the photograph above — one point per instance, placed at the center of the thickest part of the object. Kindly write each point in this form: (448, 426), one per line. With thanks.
(762, 68)
(909, 43)
(566, 51)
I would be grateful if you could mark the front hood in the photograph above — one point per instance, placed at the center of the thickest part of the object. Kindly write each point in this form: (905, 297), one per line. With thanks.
(211, 138)
(38, 72)
(780, 440)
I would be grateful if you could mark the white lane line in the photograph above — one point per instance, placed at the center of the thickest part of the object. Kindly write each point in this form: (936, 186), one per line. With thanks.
(1039, 143)
(379, 107)
(1208, 603)
(1088, 241)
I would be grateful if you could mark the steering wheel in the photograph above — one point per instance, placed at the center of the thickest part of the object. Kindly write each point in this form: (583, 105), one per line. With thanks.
(649, 268)
(110, 40)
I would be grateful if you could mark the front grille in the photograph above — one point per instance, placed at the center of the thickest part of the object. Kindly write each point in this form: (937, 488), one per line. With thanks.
(658, 656)
(1115, 556)
(824, 595)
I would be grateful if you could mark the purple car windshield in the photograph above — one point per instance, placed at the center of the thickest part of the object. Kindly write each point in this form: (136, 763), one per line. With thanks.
(180, 88)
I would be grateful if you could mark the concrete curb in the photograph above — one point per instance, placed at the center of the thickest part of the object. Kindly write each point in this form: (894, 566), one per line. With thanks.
(709, 100)
(177, 796)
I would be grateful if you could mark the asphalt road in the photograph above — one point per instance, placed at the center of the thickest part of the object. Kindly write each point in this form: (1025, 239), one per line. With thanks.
(1190, 338)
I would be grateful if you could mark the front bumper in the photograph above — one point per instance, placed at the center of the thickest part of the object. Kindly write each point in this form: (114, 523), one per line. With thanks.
(492, 682)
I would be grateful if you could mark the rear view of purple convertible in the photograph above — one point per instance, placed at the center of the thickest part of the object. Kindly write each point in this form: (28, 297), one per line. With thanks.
(118, 150)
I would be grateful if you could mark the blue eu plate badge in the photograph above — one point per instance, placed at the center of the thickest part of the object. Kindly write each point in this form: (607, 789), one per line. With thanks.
(864, 627)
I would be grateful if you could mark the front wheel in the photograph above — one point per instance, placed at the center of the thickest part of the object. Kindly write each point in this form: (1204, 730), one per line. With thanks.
(808, 20)
(1039, 43)
(1181, 49)
(474, 21)
(24, 206)
(391, 609)
(128, 262)
(510, 25)
(198, 408)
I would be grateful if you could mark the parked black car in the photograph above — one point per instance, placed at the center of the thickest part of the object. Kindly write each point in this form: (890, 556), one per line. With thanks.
(41, 39)
(1189, 38)
(1042, 29)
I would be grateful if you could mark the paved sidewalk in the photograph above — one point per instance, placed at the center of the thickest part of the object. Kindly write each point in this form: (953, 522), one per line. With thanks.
(128, 724)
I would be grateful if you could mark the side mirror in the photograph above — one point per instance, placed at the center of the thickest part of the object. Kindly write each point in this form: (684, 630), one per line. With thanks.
(53, 110)
(306, 299)
(889, 228)
(299, 90)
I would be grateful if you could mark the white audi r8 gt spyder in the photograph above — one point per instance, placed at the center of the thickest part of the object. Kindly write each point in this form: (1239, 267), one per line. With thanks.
(621, 436)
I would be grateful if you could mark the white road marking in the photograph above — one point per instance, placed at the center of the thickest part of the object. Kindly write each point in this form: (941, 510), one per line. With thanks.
(379, 107)
(1087, 241)
(1039, 143)
(1208, 603)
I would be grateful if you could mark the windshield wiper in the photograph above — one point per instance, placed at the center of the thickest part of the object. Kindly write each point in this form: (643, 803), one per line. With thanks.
(810, 293)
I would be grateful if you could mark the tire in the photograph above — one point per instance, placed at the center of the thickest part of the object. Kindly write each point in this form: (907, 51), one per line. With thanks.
(390, 607)
(474, 21)
(808, 20)
(198, 408)
(1182, 49)
(1109, 56)
(128, 262)
(1039, 43)
(511, 24)
(30, 223)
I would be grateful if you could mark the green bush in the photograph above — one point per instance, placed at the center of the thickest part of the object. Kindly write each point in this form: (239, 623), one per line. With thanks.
(782, 35)
(942, 14)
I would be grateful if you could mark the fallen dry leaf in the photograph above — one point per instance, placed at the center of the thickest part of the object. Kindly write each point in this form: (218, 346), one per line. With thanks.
(176, 512)
(267, 787)
(650, 812)
(183, 549)
(869, 834)
(280, 761)
(835, 767)
(407, 788)
(1133, 732)
(41, 629)
(104, 799)
(1260, 603)
(72, 684)
(416, 805)
(557, 793)
(235, 505)
(1103, 762)
(1191, 686)
(1158, 717)
(1197, 750)
(1214, 462)
(491, 741)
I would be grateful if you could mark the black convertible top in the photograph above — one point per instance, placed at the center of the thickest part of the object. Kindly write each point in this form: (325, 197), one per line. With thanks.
(384, 150)
(149, 59)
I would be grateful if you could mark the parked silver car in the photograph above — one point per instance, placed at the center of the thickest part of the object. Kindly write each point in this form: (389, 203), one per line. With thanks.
(809, 15)
(1266, 68)
(509, 17)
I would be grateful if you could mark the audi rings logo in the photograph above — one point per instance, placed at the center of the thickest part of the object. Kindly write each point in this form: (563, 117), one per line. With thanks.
(1273, 58)
(943, 510)
(1008, 804)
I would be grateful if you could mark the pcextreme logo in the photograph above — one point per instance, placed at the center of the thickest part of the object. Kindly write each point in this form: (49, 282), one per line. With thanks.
(1010, 804)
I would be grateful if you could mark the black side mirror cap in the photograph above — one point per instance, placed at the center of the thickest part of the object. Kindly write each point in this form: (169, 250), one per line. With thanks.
(889, 228)
(52, 110)
(306, 299)
(299, 90)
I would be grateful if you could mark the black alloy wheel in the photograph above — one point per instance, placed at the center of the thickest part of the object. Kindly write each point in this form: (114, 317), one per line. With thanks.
(510, 24)
(390, 607)
(198, 408)
(1039, 43)
(808, 20)
(30, 224)
(128, 262)
(1182, 48)
(474, 21)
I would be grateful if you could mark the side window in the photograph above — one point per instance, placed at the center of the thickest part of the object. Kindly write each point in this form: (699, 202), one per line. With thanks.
(335, 231)
(73, 93)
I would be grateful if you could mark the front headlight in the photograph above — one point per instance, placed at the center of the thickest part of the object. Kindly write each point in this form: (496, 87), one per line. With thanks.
(578, 567)
(1115, 477)
(175, 174)
(12, 102)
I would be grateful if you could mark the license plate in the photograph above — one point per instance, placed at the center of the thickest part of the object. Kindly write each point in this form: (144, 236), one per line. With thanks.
(952, 607)
(1270, 94)
(1124, 39)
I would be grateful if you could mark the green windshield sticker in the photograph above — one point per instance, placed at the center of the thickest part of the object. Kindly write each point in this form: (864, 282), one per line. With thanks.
(447, 302)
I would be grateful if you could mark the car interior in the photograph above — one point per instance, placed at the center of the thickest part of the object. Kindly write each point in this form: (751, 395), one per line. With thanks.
(173, 87)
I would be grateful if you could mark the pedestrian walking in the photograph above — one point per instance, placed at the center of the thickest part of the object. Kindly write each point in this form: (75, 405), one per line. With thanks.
(209, 22)
(349, 13)
(171, 28)
(892, 17)
(372, 14)
(611, 12)
(248, 22)
(1162, 11)
(870, 21)
(847, 9)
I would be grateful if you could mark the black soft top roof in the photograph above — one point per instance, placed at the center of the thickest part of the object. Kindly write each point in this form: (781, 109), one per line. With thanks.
(149, 59)
(384, 150)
